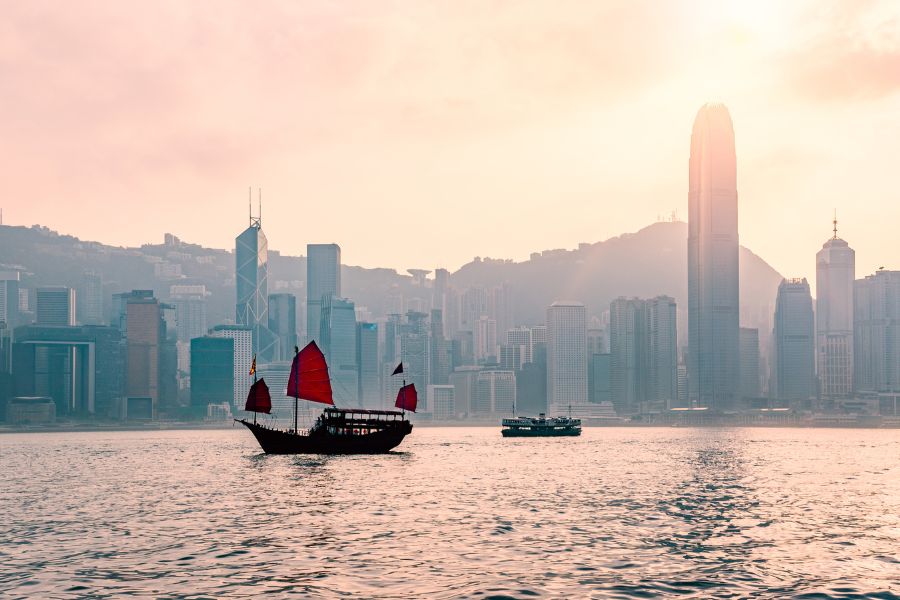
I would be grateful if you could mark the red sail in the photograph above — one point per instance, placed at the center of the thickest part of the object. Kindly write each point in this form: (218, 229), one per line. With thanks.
(259, 400)
(309, 376)
(407, 398)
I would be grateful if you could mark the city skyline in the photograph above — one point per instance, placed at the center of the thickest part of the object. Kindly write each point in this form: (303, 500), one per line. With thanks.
(552, 299)
(815, 112)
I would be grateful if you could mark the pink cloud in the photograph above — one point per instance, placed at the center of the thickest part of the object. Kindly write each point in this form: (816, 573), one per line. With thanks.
(850, 58)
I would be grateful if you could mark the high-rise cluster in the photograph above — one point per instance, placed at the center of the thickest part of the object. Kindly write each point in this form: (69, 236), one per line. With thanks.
(72, 351)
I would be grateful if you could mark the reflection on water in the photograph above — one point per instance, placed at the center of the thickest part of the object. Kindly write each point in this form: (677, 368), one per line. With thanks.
(458, 513)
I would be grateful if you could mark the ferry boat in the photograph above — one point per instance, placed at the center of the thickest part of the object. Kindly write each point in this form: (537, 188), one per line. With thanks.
(337, 430)
(541, 426)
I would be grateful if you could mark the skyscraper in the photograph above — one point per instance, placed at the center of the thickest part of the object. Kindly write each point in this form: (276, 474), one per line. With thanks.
(520, 337)
(835, 272)
(531, 383)
(596, 341)
(283, 324)
(662, 347)
(474, 304)
(414, 348)
(876, 332)
(190, 310)
(484, 337)
(749, 362)
(337, 338)
(599, 389)
(323, 280)
(146, 333)
(795, 346)
(439, 291)
(713, 311)
(628, 354)
(368, 365)
(442, 399)
(212, 368)
(90, 299)
(495, 392)
(566, 355)
(55, 306)
(243, 358)
(9, 320)
(439, 354)
(9, 299)
(252, 285)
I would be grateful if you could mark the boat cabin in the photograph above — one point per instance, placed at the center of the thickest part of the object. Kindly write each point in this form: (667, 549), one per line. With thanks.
(357, 421)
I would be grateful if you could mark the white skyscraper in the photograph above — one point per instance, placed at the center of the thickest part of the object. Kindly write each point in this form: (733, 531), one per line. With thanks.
(520, 337)
(243, 357)
(835, 273)
(876, 335)
(566, 355)
(538, 335)
(484, 335)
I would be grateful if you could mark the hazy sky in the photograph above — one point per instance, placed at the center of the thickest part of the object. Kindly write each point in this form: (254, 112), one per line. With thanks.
(421, 134)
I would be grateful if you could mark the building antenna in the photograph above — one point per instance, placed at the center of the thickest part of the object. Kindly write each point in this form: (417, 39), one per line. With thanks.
(254, 221)
(835, 224)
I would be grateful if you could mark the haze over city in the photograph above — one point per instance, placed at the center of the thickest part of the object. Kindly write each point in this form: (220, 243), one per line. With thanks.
(451, 130)
(447, 299)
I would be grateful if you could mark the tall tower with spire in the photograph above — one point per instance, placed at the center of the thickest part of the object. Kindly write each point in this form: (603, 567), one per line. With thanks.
(252, 285)
(835, 273)
(713, 311)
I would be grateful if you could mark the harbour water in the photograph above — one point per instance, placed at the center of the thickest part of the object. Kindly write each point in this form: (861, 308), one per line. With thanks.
(457, 512)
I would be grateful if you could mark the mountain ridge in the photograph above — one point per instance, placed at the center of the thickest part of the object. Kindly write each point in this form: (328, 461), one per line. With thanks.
(649, 262)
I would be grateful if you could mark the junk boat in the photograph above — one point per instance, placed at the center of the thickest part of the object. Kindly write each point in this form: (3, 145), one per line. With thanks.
(541, 426)
(337, 430)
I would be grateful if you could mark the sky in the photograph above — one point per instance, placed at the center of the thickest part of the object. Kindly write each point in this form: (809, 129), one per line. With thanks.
(425, 133)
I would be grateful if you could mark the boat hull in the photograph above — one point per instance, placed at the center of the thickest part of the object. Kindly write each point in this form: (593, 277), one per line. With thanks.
(541, 432)
(273, 441)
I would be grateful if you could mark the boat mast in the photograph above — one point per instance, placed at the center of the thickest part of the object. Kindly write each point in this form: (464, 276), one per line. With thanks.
(297, 375)
(254, 383)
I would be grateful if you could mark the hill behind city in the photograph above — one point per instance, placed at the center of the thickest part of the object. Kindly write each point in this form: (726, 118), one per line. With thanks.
(646, 263)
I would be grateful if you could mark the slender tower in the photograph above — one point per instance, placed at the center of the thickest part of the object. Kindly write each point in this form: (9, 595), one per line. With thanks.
(252, 286)
(713, 312)
(835, 273)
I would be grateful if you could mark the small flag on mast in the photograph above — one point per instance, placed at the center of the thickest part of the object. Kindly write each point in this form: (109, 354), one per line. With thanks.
(399, 369)
(253, 365)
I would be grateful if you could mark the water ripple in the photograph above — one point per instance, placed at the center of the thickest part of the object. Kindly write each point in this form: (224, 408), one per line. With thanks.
(459, 513)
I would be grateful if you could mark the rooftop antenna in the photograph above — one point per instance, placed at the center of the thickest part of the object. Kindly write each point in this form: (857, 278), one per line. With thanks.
(835, 224)
(254, 221)
(260, 207)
